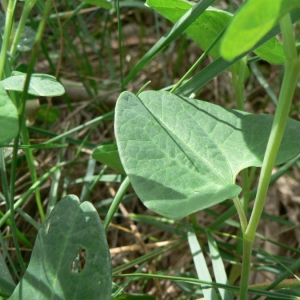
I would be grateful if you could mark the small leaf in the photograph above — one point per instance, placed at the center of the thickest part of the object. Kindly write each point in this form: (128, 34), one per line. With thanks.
(211, 23)
(251, 23)
(101, 3)
(70, 227)
(108, 154)
(27, 39)
(183, 155)
(40, 84)
(8, 118)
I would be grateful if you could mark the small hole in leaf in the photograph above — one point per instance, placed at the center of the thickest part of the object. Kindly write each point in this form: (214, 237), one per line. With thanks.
(79, 261)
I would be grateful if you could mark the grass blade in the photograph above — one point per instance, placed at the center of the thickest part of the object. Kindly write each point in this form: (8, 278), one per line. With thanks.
(201, 266)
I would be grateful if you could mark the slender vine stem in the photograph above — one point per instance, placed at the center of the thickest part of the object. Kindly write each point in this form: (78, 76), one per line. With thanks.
(291, 74)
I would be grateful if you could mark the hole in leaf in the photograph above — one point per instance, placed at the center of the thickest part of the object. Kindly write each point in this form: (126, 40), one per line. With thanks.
(79, 261)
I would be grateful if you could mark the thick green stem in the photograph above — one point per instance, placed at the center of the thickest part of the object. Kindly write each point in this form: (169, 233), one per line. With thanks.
(247, 251)
(292, 69)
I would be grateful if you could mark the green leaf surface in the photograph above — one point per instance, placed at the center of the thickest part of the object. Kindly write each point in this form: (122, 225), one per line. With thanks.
(108, 154)
(251, 23)
(40, 84)
(8, 118)
(51, 274)
(209, 24)
(101, 3)
(183, 155)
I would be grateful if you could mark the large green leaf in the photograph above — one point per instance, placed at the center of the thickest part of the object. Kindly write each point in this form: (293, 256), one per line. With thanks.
(254, 19)
(209, 24)
(183, 155)
(71, 227)
(9, 123)
(40, 84)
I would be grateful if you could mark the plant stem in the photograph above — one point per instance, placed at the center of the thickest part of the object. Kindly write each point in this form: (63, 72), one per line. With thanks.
(292, 69)
(247, 251)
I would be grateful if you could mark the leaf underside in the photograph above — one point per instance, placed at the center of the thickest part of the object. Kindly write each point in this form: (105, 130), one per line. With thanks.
(183, 155)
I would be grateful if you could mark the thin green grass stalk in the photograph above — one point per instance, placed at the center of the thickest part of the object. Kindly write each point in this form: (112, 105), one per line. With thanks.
(180, 26)
(125, 283)
(162, 54)
(48, 133)
(22, 129)
(218, 266)
(80, 127)
(147, 257)
(11, 263)
(28, 218)
(7, 34)
(180, 55)
(197, 63)
(73, 49)
(28, 5)
(201, 265)
(277, 283)
(196, 83)
(5, 185)
(263, 82)
(96, 180)
(89, 172)
(120, 39)
(195, 281)
(53, 194)
(291, 74)
(25, 196)
(117, 200)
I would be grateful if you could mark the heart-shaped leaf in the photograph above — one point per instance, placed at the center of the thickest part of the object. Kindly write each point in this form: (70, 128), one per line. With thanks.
(183, 155)
(8, 118)
(40, 84)
(251, 23)
(71, 228)
(211, 23)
